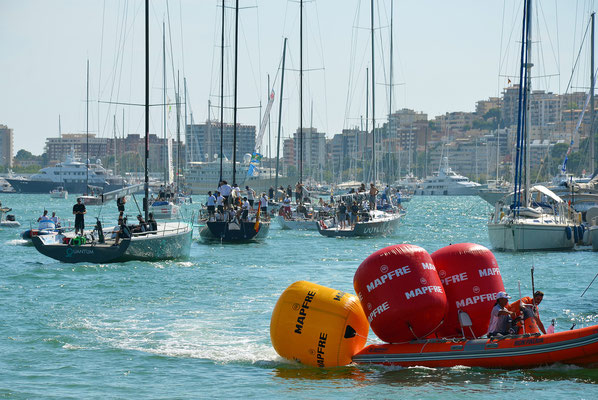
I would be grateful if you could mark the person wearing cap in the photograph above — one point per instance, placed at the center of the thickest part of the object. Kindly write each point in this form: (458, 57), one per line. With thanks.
(500, 317)
(529, 307)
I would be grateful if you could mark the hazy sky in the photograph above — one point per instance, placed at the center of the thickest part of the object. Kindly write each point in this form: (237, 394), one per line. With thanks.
(447, 55)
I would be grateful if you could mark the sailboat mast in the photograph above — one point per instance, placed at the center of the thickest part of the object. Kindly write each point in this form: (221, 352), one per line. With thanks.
(373, 97)
(114, 134)
(235, 92)
(165, 148)
(528, 85)
(269, 134)
(221, 93)
(592, 84)
(178, 131)
(300, 91)
(284, 52)
(367, 118)
(390, 89)
(87, 130)
(185, 89)
(146, 186)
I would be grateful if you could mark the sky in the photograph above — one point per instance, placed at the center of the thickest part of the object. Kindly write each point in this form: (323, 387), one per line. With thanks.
(446, 56)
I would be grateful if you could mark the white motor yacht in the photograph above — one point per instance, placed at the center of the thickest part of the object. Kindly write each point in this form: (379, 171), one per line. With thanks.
(448, 183)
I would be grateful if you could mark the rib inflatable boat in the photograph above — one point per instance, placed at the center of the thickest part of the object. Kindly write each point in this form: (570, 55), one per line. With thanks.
(576, 347)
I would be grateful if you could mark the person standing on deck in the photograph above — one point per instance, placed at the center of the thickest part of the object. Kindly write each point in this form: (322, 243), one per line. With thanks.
(211, 204)
(373, 193)
(79, 212)
(250, 196)
(264, 205)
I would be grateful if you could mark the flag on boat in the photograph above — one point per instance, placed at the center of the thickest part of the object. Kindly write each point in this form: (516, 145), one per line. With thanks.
(256, 227)
(254, 165)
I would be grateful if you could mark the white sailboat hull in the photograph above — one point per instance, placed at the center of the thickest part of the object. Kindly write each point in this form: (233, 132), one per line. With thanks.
(529, 236)
(171, 241)
(297, 224)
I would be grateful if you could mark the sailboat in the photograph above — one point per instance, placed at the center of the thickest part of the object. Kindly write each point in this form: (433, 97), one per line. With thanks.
(166, 207)
(226, 228)
(169, 240)
(537, 219)
(374, 222)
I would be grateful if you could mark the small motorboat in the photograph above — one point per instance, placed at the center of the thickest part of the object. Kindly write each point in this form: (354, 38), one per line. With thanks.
(297, 223)
(371, 224)
(8, 220)
(59, 193)
(165, 210)
(92, 200)
(76, 250)
(575, 347)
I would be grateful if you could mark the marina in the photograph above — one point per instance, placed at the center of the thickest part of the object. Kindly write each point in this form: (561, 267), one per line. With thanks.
(232, 232)
(208, 315)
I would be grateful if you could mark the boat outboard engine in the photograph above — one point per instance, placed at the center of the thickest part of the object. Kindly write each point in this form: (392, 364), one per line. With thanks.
(10, 217)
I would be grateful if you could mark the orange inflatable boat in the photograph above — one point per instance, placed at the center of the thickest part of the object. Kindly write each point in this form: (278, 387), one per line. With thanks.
(577, 347)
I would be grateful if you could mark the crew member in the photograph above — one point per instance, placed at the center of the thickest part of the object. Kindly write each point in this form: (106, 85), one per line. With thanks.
(250, 196)
(151, 222)
(264, 205)
(211, 204)
(500, 317)
(529, 305)
(79, 212)
(120, 203)
(245, 208)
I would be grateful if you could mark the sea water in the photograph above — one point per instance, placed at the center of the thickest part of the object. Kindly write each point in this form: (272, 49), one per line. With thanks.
(199, 328)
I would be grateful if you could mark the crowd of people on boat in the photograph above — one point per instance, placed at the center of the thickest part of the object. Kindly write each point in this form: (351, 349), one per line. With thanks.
(228, 204)
(347, 209)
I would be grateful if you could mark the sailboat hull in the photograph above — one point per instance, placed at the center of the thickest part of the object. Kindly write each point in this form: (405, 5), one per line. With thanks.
(374, 228)
(229, 232)
(167, 244)
(529, 236)
(297, 224)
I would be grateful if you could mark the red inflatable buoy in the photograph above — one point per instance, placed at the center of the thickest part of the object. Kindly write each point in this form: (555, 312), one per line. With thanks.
(401, 293)
(471, 279)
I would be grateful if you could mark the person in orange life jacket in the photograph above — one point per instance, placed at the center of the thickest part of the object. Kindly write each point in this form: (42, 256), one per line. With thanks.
(526, 305)
(500, 317)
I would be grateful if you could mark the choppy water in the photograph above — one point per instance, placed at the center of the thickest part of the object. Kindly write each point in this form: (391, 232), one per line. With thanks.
(200, 328)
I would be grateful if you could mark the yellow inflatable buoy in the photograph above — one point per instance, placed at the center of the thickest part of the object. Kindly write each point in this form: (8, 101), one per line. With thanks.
(318, 326)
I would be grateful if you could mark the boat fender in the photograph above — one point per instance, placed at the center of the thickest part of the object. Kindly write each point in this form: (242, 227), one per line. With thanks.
(401, 293)
(575, 235)
(471, 279)
(581, 229)
(568, 232)
(317, 325)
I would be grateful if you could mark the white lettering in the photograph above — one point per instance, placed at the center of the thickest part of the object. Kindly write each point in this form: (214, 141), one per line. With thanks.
(429, 266)
(388, 276)
(423, 290)
(378, 310)
(489, 272)
(455, 278)
(476, 299)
